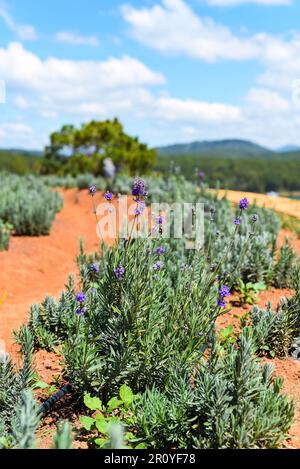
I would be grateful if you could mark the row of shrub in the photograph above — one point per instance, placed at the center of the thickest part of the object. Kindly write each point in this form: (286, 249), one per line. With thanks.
(138, 335)
(260, 260)
(27, 206)
(277, 331)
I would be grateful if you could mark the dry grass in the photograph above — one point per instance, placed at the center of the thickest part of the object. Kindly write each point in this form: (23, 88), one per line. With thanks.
(281, 205)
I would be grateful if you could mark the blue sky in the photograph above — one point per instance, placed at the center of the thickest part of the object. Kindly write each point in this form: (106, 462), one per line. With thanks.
(171, 70)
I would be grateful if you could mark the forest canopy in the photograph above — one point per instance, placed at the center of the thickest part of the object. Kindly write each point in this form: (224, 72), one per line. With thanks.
(82, 150)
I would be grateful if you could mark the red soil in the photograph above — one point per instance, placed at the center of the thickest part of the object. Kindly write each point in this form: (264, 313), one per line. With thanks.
(36, 267)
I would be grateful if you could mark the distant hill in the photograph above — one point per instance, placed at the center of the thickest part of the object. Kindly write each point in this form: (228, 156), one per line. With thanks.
(20, 152)
(18, 161)
(218, 148)
(289, 148)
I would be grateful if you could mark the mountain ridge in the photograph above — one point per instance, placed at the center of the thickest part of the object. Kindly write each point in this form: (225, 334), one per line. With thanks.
(220, 148)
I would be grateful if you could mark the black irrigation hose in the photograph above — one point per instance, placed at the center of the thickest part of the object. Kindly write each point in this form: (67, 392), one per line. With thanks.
(49, 403)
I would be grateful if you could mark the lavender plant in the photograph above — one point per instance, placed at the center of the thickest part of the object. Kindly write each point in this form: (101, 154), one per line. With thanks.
(229, 401)
(144, 315)
(27, 204)
(276, 330)
(13, 383)
(5, 232)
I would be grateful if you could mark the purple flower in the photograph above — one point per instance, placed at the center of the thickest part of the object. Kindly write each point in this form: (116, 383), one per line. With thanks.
(138, 211)
(224, 291)
(160, 250)
(254, 218)
(221, 303)
(139, 188)
(108, 196)
(120, 272)
(95, 267)
(159, 220)
(237, 221)
(158, 265)
(80, 297)
(92, 190)
(139, 208)
(81, 311)
(201, 175)
(244, 203)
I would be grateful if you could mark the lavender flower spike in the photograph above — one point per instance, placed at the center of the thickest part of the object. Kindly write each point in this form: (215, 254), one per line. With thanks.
(108, 196)
(244, 203)
(160, 250)
(81, 297)
(221, 303)
(92, 190)
(120, 272)
(224, 291)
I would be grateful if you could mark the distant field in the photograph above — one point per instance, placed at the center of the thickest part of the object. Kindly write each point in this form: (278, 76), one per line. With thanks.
(252, 174)
(18, 161)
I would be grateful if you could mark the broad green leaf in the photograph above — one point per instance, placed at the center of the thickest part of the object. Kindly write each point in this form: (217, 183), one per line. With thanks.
(141, 446)
(40, 385)
(113, 404)
(126, 395)
(87, 422)
(102, 426)
(101, 442)
(92, 403)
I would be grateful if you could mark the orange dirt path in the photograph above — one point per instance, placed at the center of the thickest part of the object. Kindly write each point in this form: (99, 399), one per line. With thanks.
(38, 266)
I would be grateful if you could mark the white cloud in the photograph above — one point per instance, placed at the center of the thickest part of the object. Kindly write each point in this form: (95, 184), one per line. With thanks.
(20, 102)
(264, 101)
(71, 38)
(196, 111)
(18, 134)
(97, 88)
(63, 85)
(242, 2)
(174, 28)
(24, 32)
(59, 90)
(49, 92)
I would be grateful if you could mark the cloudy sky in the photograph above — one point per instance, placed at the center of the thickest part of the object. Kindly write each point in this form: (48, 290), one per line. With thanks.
(171, 70)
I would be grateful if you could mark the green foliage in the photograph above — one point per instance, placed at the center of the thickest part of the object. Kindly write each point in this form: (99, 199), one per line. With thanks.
(52, 321)
(246, 174)
(27, 204)
(231, 403)
(275, 331)
(248, 291)
(5, 232)
(284, 268)
(25, 422)
(227, 337)
(155, 331)
(18, 415)
(75, 151)
(18, 161)
(136, 329)
(290, 223)
(108, 421)
(63, 438)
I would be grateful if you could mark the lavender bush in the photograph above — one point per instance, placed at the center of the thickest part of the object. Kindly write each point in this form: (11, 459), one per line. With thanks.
(27, 204)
